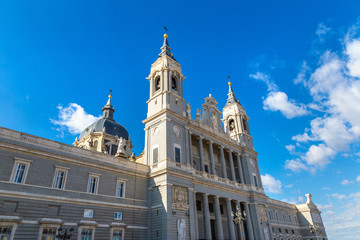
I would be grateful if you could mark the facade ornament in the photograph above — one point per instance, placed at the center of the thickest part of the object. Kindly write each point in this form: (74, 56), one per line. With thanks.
(122, 144)
(181, 228)
(262, 213)
(188, 110)
(198, 115)
(180, 198)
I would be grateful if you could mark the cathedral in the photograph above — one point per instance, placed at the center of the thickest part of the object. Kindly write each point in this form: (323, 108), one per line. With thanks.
(196, 178)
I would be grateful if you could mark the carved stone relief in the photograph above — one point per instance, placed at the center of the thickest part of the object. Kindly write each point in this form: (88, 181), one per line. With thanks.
(180, 198)
(262, 213)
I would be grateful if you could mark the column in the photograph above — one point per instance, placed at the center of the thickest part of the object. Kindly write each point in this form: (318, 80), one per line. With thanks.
(196, 218)
(223, 163)
(241, 227)
(212, 162)
(219, 229)
(207, 225)
(230, 219)
(202, 165)
(233, 176)
(248, 222)
(240, 168)
(190, 149)
(269, 223)
(192, 213)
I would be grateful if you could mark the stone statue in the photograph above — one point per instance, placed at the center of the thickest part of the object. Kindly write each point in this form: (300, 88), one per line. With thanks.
(121, 149)
(198, 115)
(181, 228)
(188, 110)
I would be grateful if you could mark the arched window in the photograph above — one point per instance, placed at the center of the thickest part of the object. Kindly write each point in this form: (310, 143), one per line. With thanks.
(157, 83)
(245, 125)
(95, 144)
(173, 84)
(232, 125)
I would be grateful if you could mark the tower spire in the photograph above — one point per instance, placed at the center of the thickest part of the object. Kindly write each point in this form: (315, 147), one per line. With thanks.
(165, 49)
(231, 95)
(108, 109)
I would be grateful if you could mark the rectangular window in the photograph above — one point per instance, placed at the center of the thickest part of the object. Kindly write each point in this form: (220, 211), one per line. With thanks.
(5, 232)
(118, 215)
(86, 234)
(255, 182)
(117, 235)
(89, 213)
(59, 181)
(120, 188)
(155, 155)
(48, 234)
(19, 173)
(177, 155)
(93, 183)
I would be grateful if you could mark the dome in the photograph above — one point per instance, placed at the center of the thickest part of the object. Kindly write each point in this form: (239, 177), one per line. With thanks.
(111, 127)
(107, 124)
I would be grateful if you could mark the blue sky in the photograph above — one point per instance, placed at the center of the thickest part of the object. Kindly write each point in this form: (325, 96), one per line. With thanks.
(294, 65)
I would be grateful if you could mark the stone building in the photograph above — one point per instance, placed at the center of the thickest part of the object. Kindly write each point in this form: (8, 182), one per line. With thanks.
(194, 179)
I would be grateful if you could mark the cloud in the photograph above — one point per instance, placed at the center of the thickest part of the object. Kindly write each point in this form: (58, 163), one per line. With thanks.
(334, 85)
(266, 79)
(290, 148)
(346, 182)
(338, 196)
(295, 165)
(288, 186)
(318, 155)
(271, 184)
(279, 101)
(321, 31)
(358, 178)
(341, 216)
(73, 119)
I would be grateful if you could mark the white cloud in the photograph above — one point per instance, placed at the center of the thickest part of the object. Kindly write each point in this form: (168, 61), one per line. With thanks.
(279, 101)
(353, 52)
(295, 165)
(302, 75)
(338, 196)
(271, 184)
(334, 86)
(288, 186)
(290, 148)
(318, 155)
(73, 119)
(346, 182)
(358, 178)
(342, 220)
(321, 31)
(266, 79)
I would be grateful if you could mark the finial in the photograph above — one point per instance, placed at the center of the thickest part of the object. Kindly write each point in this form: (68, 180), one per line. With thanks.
(165, 28)
(229, 83)
(110, 96)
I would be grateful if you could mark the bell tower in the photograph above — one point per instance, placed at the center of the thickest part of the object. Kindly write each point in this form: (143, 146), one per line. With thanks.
(166, 78)
(236, 120)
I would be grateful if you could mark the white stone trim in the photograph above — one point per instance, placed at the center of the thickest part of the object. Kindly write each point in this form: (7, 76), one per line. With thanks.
(63, 169)
(27, 166)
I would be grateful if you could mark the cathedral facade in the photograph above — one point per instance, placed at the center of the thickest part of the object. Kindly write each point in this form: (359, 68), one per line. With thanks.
(196, 178)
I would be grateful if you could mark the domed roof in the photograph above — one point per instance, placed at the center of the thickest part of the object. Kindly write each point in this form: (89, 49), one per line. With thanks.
(107, 124)
(111, 127)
